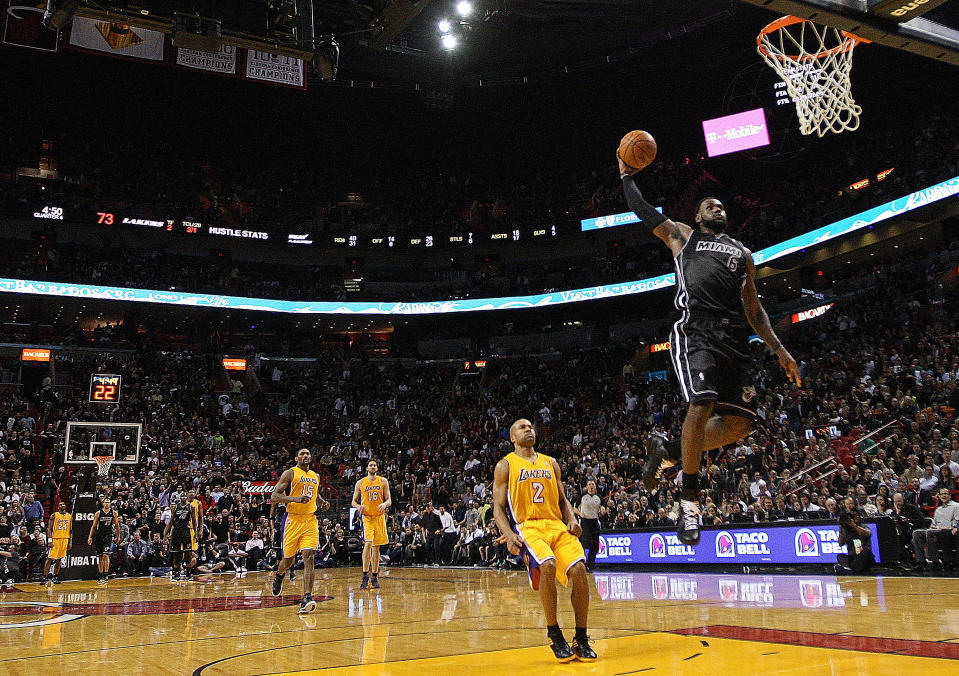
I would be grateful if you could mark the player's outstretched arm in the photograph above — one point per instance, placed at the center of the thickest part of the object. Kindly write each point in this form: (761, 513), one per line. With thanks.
(281, 492)
(759, 320)
(357, 503)
(387, 496)
(673, 234)
(514, 541)
(93, 527)
(565, 506)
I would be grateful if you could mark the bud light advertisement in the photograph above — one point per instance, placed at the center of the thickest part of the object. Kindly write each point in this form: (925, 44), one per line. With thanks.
(812, 543)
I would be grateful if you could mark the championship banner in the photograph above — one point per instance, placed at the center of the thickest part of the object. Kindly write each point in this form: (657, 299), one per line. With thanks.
(268, 67)
(24, 26)
(223, 62)
(116, 39)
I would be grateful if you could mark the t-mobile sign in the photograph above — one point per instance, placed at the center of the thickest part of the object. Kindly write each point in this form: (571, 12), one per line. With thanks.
(736, 132)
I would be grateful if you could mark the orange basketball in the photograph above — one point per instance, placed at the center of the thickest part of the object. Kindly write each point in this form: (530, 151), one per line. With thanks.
(637, 149)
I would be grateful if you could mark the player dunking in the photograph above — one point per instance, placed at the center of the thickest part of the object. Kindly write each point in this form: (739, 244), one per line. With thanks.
(371, 497)
(180, 532)
(60, 534)
(709, 344)
(104, 533)
(301, 533)
(533, 513)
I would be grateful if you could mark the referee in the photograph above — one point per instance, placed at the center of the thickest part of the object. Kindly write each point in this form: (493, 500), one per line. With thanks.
(588, 512)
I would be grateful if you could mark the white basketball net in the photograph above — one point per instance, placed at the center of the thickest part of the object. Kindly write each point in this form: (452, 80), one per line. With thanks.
(103, 464)
(814, 63)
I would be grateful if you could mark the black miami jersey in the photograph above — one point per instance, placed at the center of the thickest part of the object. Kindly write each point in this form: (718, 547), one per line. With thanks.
(710, 274)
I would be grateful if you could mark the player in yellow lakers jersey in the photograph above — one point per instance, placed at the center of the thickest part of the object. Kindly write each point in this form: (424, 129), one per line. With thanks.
(60, 535)
(371, 498)
(301, 533)
(533, 513)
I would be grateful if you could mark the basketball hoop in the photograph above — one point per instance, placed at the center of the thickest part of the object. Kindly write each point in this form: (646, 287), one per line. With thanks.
(103, 464)
(815, 71)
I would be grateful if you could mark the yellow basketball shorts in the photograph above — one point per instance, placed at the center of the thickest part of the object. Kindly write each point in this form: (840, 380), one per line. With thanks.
(59, 548)
(300, 532)
(548, 539)
(374, 529)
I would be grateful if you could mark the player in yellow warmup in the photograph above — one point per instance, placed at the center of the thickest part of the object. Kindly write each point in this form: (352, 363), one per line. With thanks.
(371, 497)
(60, 535)
(301, 533)
(533, 513)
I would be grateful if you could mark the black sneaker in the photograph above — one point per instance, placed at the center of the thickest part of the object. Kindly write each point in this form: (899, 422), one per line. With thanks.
(307, 605)
(582, 650)
(658, 459)
(561, 649)
(277, 585)
(374, 582)
(55, 579)
(688, 530)
(365, 584)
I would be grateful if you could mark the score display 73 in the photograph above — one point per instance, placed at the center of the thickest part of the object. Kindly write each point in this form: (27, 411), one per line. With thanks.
(104, 388)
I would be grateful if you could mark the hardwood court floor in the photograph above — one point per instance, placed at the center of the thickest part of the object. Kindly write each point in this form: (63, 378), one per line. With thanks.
(462, 622)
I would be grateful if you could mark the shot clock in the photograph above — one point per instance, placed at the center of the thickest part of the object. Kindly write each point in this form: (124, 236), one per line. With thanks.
(104, 388)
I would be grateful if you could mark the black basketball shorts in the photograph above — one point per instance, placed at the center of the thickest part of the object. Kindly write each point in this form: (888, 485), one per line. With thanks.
(712, 362)
(102, 544)
(180, 541)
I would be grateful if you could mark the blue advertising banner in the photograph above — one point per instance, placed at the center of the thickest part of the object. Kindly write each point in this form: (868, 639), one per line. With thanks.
(896, 207)
(611, 221)
(739, 591)
(812, 543)
(920, 198)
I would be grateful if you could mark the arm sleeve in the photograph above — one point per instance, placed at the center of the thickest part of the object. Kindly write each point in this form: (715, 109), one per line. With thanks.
(650, 217)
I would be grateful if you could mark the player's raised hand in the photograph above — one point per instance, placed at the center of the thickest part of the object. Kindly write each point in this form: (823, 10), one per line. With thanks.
(623, 167)
(789, 366)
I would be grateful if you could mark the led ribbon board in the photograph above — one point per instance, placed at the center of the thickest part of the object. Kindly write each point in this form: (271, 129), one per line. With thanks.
(826, 233)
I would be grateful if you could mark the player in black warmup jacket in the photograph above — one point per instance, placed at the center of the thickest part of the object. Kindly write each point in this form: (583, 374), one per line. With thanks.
(104, 533)
(709, 344)
(179, 532)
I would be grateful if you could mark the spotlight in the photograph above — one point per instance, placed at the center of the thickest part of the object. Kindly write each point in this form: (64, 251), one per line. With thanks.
(326, 58)
(464, 7)
(59, 13)
(449, 41)
(444, 26)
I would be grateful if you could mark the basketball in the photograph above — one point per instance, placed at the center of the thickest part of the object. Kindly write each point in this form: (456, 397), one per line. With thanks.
(637, 149)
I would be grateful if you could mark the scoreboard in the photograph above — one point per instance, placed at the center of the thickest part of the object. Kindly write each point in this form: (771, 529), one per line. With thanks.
(104, 388)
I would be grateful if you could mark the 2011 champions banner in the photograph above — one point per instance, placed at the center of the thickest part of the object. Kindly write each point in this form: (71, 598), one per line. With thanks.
(268, 67)
(799, 543)
(224, 61)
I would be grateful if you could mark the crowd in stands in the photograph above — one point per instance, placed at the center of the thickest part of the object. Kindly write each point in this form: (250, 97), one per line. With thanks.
(762, 213)
(888, 353)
